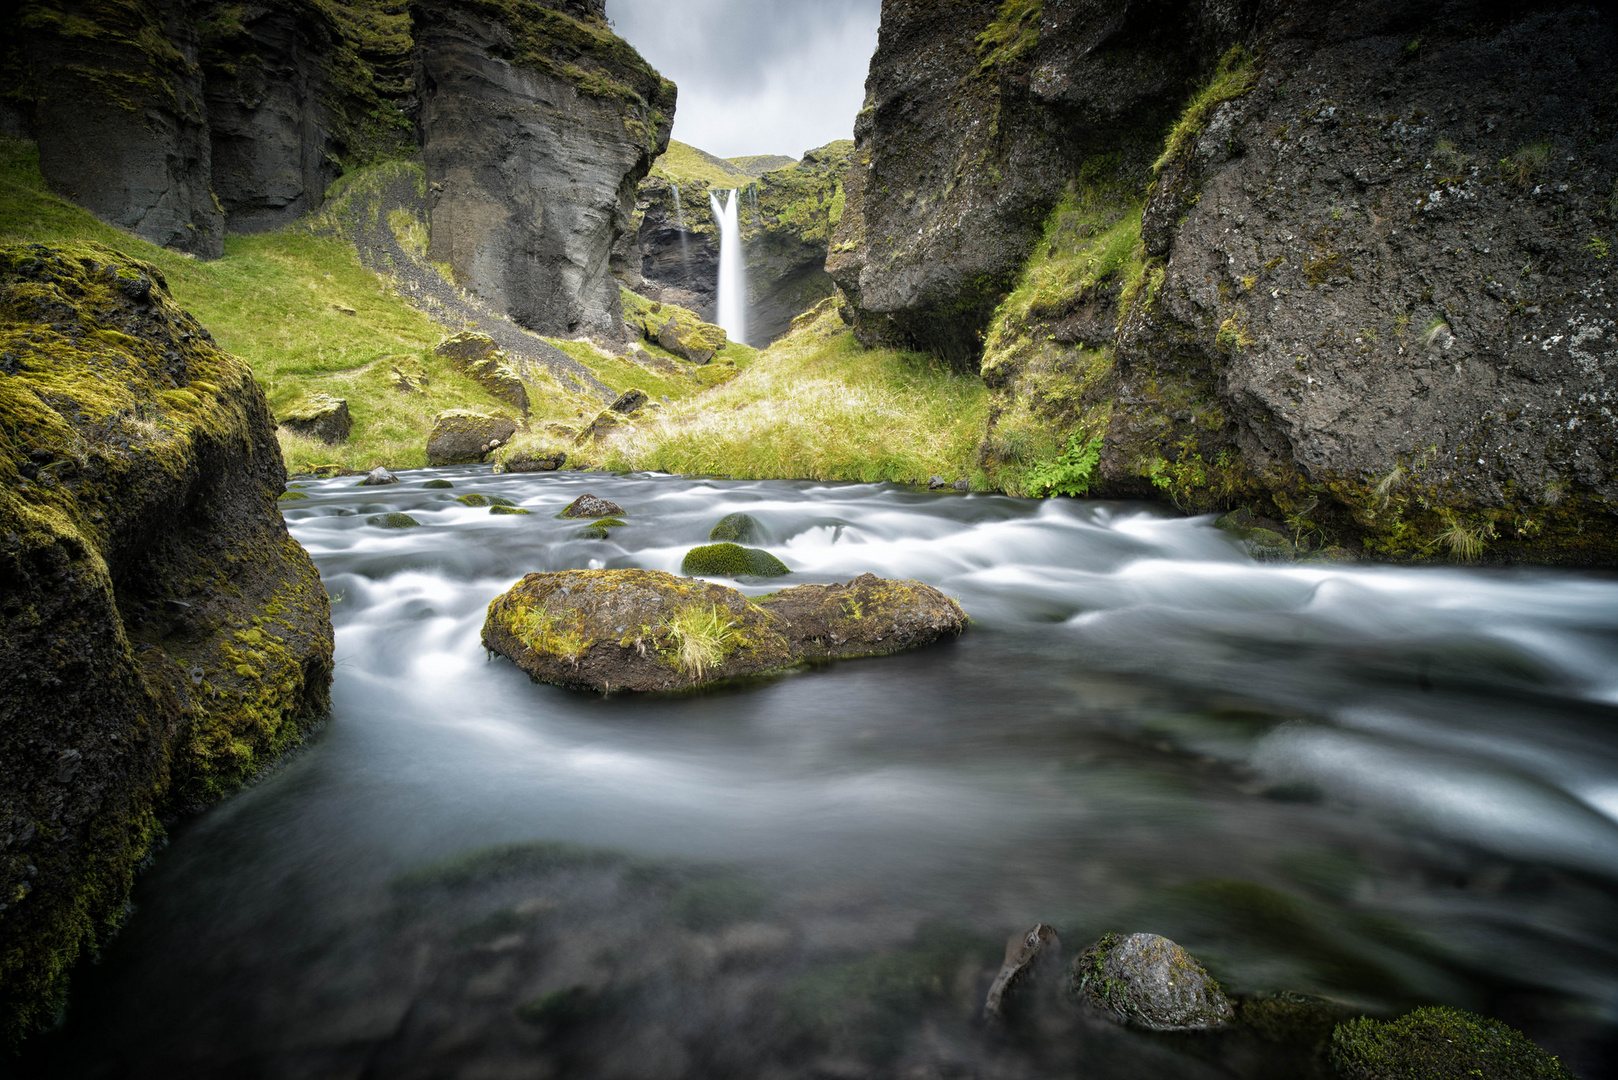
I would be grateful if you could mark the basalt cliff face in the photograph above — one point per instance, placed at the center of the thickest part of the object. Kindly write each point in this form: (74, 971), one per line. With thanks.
(183, 121)
(162, 637)
(1345, 266)
(787, 213)
(536, 127)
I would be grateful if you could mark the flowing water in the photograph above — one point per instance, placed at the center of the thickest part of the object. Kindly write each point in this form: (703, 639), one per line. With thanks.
(679, 223)
(1383, 786)
(732, 268)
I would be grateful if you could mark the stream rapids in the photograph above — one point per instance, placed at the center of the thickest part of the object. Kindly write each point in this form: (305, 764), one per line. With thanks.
(1383, 786)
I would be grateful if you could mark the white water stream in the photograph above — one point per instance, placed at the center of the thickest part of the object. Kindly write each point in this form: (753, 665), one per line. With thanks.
(732, 270)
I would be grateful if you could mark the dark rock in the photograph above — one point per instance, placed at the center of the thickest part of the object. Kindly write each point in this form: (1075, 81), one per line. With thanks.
(1440, 1044)
(732, 560)
(935, 483)
(628, 401)
(735, 528)
(589, 506)
(461, 437)
(439, 484)
(320, 417)
(378, 477)
(393, 521)
(1031, 957)
(962, 485)
(136, 635)
(1150, 982)
(646, 630)
(534, 159)
(535, 462)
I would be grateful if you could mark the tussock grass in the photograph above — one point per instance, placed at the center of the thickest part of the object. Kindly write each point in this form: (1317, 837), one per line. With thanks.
(1236, 75)
(700, 636)
(818, 406)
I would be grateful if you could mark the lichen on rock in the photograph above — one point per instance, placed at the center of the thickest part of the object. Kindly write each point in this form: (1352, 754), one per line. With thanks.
(164, 637)
(1148, 981)
(463, 436)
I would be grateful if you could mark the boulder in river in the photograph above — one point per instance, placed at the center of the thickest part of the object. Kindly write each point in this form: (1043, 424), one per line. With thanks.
(734, 529)
(590, 506)
(163, 638)
(1150, 982)
(732, 560)
(320, 417)
(379, 477)
(393, 521)
(535, 461)
(461, 436)
(1439, 1044)
(647, 630)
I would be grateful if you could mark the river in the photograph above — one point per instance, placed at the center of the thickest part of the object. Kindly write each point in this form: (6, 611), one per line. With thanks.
(1383, 786)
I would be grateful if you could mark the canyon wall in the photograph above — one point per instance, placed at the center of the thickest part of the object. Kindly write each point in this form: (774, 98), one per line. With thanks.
(1345, 267)
(162, 637)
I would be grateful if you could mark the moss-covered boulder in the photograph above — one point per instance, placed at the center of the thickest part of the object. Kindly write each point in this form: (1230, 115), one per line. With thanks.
(735, 529)
(732, 560)
(320, 417)
(675, 329)
(1148, 981)
(163, 637)
(393, 521)
(437, 484)
(1439, 1044)
(478, 358)
(500, 508)
(646, 630)
(462, 437)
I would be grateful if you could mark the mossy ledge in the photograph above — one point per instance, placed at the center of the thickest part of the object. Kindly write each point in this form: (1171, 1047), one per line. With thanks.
(164, 637)
(646, 630)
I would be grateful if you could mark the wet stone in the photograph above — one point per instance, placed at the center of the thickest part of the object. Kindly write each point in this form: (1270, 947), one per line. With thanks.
(590, 506)
(1148, 981)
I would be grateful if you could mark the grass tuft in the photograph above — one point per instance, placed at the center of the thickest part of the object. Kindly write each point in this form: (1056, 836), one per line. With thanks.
(700, 637)
(1236, 74)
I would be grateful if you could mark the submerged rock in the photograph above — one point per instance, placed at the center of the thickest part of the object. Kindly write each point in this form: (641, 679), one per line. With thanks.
(321, 417)
(500, 508)
(378, 477)
(162, 636)
(590, 506)
(732, 560)
(393, 521)
(1440, 1044)
(1030, 958)
(735, 529)
(438, 484)
(648, 630)
(462, 437)
(1150, 982)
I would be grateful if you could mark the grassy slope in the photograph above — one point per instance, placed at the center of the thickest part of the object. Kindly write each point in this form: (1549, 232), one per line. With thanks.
(682, 164)
(816, 405)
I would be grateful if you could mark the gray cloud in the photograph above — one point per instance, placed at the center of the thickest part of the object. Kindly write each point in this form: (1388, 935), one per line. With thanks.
(757, 76)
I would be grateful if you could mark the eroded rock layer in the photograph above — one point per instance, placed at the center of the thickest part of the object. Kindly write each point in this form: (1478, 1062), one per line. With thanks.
(163, 636)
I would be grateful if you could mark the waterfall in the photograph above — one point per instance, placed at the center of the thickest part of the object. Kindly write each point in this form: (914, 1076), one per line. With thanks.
(679, 223)
(732, 271)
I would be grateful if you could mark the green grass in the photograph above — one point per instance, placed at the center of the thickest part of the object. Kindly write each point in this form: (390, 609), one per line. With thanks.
(816, 405)
(682, 164)
(1236, 75)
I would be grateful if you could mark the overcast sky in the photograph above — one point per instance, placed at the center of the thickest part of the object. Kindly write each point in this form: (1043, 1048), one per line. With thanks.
(757, 76)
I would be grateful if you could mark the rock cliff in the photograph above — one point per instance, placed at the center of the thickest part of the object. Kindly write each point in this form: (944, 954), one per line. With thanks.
(536, 126)
(162, 637)
(788, 212)
(1346, 266)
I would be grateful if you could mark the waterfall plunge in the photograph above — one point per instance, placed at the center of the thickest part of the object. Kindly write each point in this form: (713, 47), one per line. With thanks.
(732, 272)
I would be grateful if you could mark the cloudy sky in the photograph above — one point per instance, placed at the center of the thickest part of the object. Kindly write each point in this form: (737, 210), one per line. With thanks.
(757, 76)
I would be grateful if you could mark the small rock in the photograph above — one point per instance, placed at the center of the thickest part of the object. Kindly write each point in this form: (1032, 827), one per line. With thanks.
(1148, 981)
(438, 484)
(589, 506)
(532, 462)
(320, 417)
(629, 401)
(497, 509)
(735, 528)
(393, 521)
(935, 482)
(473, 499)
(731, 560)
(962, 485)
(377, 477)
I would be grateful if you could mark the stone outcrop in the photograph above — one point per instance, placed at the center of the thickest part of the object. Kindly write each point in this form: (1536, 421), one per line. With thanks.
(536, 125)
(162, 637)
(1344, 267)
(321, 417)
(646, 630)
(462, 437)
(478, 358)
(787, 216)
(674, 329)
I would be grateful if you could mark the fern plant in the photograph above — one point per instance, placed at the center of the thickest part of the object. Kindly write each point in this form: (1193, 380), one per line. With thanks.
(1069, 474)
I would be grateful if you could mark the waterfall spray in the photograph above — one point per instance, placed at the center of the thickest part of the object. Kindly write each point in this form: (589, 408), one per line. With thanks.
(732, 271)
(679, 223)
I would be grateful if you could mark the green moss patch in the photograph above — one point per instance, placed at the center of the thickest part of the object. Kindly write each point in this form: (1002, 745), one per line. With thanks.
(1439, 1044)
(393, 521)
(731, 560)
(735, 528)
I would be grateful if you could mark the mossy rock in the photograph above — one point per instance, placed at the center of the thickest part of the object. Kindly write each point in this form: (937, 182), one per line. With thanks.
(163, 636)
(498, 509)
(1147, 981)
(291, 496)
(1439, 1044)
(437, 485)
(646, 630)
(591, 506)
(393, 521)
(500, 500)
(731, 560)
(608, 523)
(735, 529)
(473, 499)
